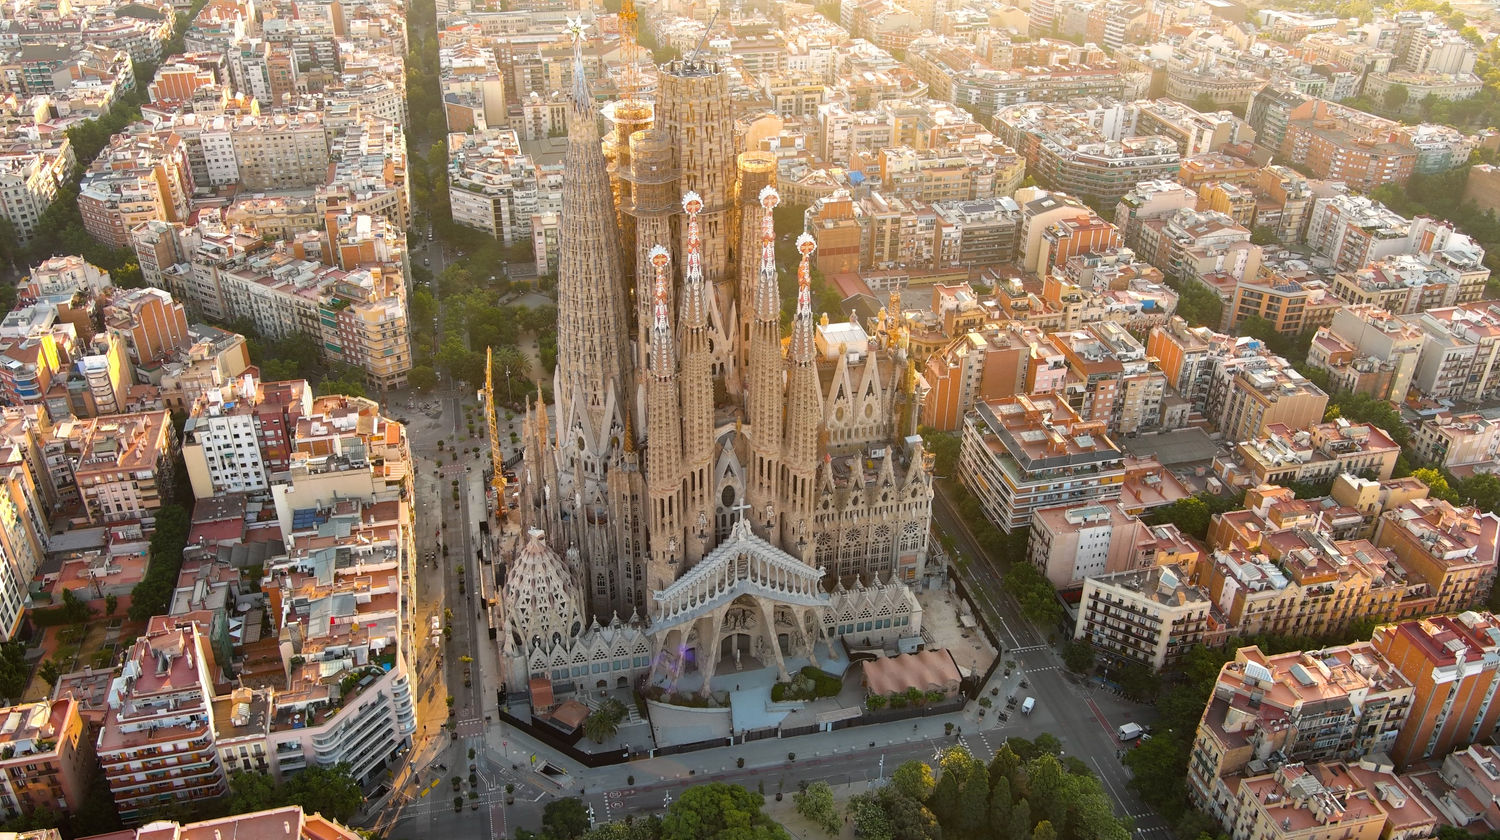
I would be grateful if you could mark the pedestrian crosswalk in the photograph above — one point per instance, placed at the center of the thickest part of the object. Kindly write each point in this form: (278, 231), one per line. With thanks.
(1027, 649)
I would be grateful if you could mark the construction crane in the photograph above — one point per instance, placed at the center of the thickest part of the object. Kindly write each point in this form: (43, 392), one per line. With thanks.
(630, 80)
(497, 458)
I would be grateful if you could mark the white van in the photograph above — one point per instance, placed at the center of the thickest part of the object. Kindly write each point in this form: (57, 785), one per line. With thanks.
(1027, 705)
(1129, 732)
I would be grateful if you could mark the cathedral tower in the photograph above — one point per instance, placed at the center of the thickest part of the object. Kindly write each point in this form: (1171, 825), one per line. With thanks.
(694, 112)
(592, 362)
(664, 431)
(757, 171)
(697, 384)
(804, 411)
(765, 373)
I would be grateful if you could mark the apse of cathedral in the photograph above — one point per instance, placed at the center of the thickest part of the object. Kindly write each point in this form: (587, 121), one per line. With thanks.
(708, 485)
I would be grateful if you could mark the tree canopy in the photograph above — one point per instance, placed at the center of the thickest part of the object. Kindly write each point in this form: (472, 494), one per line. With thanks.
(330, 791)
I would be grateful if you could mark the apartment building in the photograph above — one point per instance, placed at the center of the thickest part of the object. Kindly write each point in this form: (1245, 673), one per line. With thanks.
(29, 182)
(1195, 133)
(1373, 498)
(1366, 350)
(1209, 167)
(1460, 355)
(151, 325)
(1148, 616)
(1457, 440)
(44, 758)
(1299, 578)
(1183, 353)
(1070, 149)
(1263, 391)
(1341, 144)
(964, 171)
(1109, 285)
(1111, 378)
(1023, 453)
(1309, 455)
(156, 744)
(1292, 305)
(1205, 246)
(357, 312)
(1354, 231)
(65, 276)
(120, 466)
(288, 823)
(1452, 549)
(1299, 801)
(994, 361)
(1404, 284)
(1069, 544)
(239, 437)
(280, 151)
(139, 177)
(1283, 201)
(1453, 664)
(495, 187)
(24, 521)
(1269, 711)
(339, 604)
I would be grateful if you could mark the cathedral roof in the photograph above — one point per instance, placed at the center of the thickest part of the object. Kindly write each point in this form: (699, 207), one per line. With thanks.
(743, 564)
(541, 599)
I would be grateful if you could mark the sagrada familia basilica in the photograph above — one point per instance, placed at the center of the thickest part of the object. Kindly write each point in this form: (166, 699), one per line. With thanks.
(707, 491)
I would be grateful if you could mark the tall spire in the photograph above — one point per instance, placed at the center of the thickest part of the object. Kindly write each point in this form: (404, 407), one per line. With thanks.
(582, 96)
(592, 361)
(804, 412)
(767, 293)
(764, 389)
(664, 433)
(802, 349)
(697, 380)
(663, 354)
(694, 311)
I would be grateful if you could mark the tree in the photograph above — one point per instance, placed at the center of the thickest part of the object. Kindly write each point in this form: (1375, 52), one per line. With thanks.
(914, 779)
(816, 804)
(1263, 235)
(1481, 490)
(422, 377)
(1000, 802)
(14, 672)
(1155, 774)
(1078, 656)
(565, 819)
(1396, 96)
(49, 671)
(111, 603)
(1020, 820)
(250, 792)
(1046, 787)
(1044, 831)
(944, 448)
(74, 609)
(719, 811)
(330, 791)
(960, 800)
(604, 722)
(1190, 515)
(1437, 483)
(871, 820)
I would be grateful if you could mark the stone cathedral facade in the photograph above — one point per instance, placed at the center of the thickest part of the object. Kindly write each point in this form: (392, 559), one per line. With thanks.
(708, 488)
